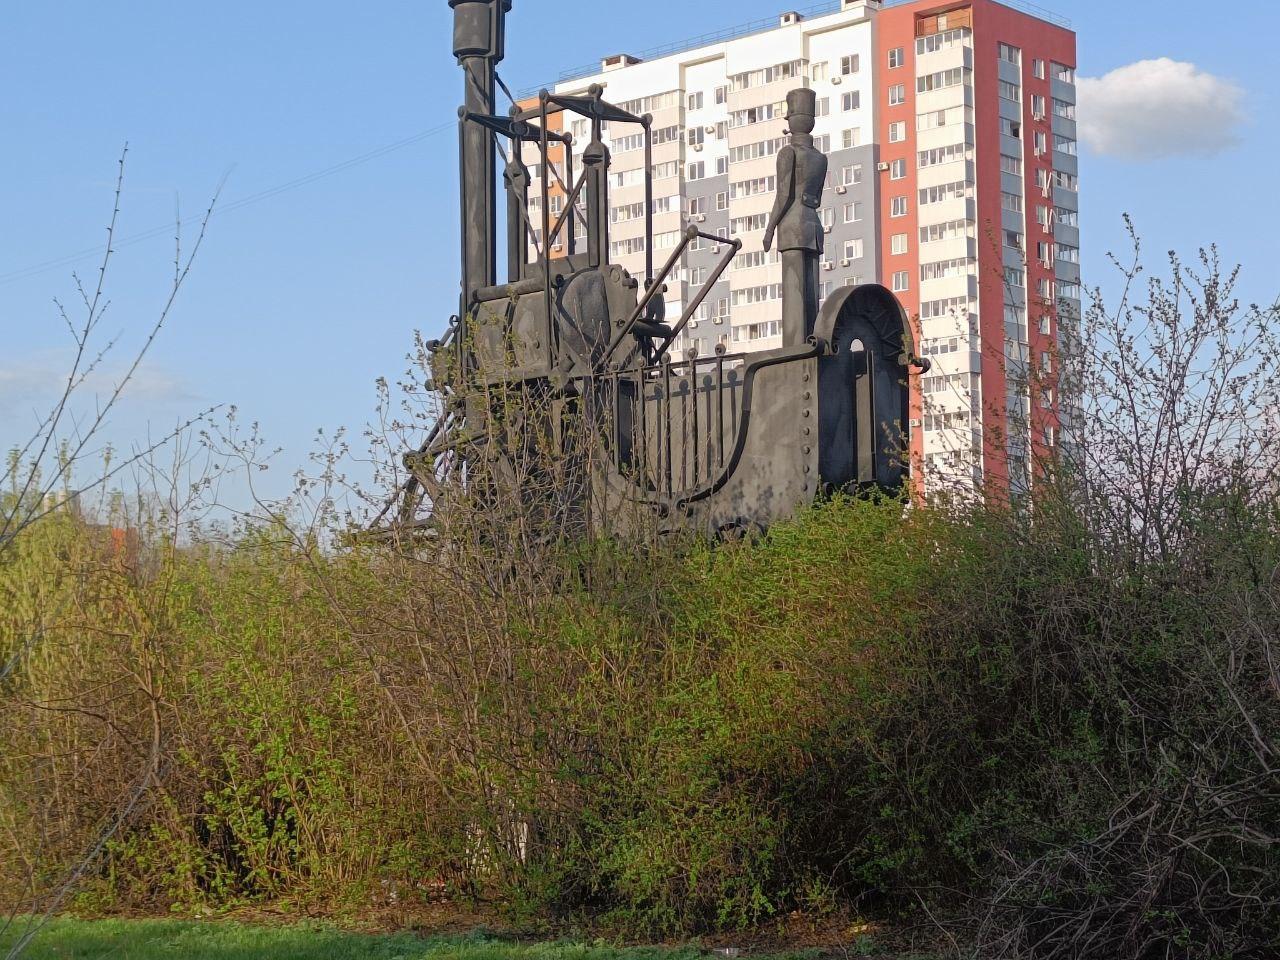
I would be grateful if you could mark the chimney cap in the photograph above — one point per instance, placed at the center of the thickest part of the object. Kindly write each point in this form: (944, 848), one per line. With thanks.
(787, 18)
(619, 60)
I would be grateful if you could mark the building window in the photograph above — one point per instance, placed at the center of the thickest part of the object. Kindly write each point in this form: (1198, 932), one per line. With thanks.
(850, 64)
(697, 171)
(1039, 108)
(1063, 109)
(898, 244)
(898, 170)
(823, 143)
(1037, 69)
(850, 174)
(941, 80)
(696, 136)
(1014, 277)
(827, 216)
(722, 201)
(819, 71)
(1011, 165)
(1010, 91)
(898, 131)
(851, 138)
(897, 94)
(896, 58)
(1009, 53)
(951, 230)
(697, 206)
(898, 207)
(947, 154)
(851, 101)
(823, 107)
(901, 281)
(1062, 73)
(722, 94)
(852, 212)
(751, 188)
(1012, 238)
(853, 249)
(946, 191)
(1011, 202)
(1011, 128)
(695, 101)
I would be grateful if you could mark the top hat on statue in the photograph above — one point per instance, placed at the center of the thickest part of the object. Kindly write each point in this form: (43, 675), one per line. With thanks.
(802, 102)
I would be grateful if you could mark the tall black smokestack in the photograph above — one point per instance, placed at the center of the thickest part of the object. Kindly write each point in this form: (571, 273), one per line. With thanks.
(479, 28)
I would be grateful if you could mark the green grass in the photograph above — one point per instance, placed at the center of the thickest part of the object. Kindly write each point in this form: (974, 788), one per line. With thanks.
(171, 939)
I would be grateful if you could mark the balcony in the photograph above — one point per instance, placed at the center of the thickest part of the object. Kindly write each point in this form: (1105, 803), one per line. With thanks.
(953, 55)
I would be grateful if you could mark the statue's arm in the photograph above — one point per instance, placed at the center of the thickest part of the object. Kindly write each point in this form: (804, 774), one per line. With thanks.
(785, 195)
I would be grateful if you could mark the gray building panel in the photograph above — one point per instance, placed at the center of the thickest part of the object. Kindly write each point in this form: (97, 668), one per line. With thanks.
(866, 229)
(1062, 91)
(707, 333)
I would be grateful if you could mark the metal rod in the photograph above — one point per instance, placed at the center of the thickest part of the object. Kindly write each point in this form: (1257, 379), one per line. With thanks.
(693, 392)
(568, 174)
(734, 247)
(666, 399)
(566, 213)
(720, 405)
(654, 287)
(504, 291)
(546, 218)
(648, 198)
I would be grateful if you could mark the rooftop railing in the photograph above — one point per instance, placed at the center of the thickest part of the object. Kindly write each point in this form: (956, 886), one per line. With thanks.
(766, 24)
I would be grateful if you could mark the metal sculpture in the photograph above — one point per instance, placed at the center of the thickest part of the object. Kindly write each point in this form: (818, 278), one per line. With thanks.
(802, 175)
(714, 443)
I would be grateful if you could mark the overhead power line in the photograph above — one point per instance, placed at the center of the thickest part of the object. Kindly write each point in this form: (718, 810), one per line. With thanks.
(72, 258)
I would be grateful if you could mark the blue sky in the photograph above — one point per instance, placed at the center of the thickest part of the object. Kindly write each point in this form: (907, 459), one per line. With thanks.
(300, 300)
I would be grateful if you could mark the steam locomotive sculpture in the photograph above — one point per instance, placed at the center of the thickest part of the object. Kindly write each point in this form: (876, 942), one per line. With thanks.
(709, 443)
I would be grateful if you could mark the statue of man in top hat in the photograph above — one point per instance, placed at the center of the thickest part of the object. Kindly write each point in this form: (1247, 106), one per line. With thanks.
(802, 173)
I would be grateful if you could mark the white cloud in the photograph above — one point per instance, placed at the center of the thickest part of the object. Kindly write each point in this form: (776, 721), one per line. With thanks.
(1159, 108)
(30, 385)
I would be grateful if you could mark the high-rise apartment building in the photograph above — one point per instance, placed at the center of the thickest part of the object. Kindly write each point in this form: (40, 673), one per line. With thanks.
(950, 129)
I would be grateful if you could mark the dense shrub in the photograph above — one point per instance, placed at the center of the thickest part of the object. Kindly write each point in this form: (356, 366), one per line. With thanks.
(868, 705)
(1052, 716)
